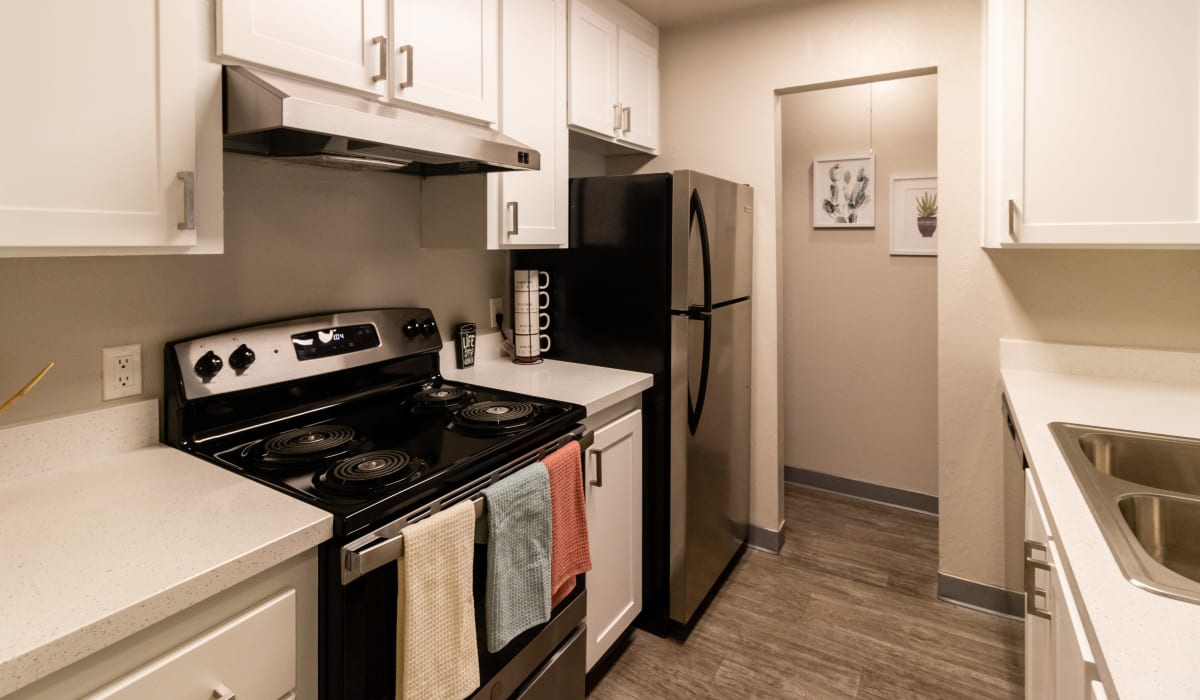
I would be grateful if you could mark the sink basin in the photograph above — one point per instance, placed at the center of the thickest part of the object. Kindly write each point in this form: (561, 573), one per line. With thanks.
(1144, 491)
(1166, 528)
(1157, 461)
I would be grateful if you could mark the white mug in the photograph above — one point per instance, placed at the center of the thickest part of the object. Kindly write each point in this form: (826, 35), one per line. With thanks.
(530, 280)
(524, 322)
(523, 301)
(530, 346)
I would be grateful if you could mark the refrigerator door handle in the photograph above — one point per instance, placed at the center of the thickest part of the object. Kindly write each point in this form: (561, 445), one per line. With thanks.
(696, 216)
(696, 410)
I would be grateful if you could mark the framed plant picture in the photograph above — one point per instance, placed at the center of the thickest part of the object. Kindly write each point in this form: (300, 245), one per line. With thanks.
(914, 215)
(844, 192)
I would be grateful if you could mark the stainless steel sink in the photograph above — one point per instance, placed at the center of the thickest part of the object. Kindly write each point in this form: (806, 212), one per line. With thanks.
(1157, 461)
(1166, 528)
(1144, 491)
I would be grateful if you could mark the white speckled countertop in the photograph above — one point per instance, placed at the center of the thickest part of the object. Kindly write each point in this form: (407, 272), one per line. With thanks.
(595, 388)
(102, 540)
(1147, 644)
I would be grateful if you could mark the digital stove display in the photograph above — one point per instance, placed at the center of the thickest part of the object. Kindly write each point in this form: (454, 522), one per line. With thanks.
(328, 342)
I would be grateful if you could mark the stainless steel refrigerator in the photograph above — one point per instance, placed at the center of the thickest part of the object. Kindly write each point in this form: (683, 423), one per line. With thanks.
(657, 279)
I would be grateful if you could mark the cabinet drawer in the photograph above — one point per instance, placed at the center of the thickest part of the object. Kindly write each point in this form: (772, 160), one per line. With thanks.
(252, 655)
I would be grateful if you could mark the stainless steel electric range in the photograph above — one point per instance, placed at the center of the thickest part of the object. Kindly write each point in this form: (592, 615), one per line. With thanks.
(348, 412)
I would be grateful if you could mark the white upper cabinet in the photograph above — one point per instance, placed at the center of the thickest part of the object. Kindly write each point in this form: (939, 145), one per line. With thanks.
(534, 112)
(638, 80)
(125, 160)
(1093, 123)
(613, 74)
(445, 55)
(515, 209)
(594, 103)
(343, 42)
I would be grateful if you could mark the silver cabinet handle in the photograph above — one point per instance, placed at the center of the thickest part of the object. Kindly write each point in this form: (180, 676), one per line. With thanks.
(515, 208)
(381, 42)
(189, 201)
(1031, 589)
(407, 50)
(626, 119)
(1012, 219)
(599, 480)
(617, 114)
(223, 693)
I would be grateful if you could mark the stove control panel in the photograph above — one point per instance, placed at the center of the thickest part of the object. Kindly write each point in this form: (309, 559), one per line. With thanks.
(257, 356)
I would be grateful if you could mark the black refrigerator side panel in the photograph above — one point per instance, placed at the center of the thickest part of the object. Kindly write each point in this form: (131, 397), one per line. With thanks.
(610, 306)
(609, 292)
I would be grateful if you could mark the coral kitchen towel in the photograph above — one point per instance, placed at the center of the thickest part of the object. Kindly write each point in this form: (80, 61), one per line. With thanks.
(436, 656)
(569, 552)
(518, 549)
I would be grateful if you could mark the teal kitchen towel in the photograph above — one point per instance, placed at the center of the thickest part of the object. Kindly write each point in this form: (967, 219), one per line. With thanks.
(518, 555)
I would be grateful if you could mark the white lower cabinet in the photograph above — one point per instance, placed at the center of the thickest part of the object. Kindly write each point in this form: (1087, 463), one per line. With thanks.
(613, 485)
(251, 656)
(1039, 653)
(254, 641)
(1059, 661)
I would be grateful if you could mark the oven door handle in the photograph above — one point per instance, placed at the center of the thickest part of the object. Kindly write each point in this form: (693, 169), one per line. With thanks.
(362, 561)
(386, 544)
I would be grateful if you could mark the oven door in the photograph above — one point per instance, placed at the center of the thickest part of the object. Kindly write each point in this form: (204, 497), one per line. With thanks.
(358, 618)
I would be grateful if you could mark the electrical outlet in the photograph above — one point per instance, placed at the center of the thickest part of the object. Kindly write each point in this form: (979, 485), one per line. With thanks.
(495, 308)
(121, 373)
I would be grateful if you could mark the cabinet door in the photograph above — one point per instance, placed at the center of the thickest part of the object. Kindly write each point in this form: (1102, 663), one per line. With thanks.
(1101, 122)
(534, 204)
(101, 118)
(614, 509)
(1074, 665)
(637, 90)
(593, 72)
(343, 42)
(252, 656)
(446, 55)
(1039, 591)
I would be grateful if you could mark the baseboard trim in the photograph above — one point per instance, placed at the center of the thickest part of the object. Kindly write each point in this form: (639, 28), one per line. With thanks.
(765, 539)
(980, 596)
(900, 498)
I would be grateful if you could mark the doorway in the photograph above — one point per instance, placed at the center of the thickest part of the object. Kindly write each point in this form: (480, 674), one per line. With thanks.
(859, 288)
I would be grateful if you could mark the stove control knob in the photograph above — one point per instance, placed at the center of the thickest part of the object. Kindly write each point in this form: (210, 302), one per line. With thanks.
(241, 358)
(429, 327)
(412, 328)
(208, 365)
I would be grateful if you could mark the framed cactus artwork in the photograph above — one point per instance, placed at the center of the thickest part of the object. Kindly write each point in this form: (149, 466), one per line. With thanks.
(844, 192)
(914, 215)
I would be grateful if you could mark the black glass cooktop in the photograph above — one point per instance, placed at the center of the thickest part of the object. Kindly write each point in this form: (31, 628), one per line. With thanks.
(372, 458)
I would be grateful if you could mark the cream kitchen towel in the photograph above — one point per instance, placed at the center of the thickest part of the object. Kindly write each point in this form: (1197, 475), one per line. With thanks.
(518, 551)
(436, 655)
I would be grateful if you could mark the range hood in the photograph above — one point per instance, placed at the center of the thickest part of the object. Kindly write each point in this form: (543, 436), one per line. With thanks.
(273, 115)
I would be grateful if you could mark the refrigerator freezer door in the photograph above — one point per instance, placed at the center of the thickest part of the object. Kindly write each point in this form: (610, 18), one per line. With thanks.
(726, 209)
(710, 470)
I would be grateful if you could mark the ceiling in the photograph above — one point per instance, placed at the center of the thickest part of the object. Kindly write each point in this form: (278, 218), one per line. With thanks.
(668, 13)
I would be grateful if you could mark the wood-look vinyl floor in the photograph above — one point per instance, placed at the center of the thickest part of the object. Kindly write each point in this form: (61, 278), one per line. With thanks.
(848, 609)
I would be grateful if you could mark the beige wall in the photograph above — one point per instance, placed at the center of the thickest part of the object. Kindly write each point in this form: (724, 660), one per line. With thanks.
(719, 115)
(859, 336)
(298, 239)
